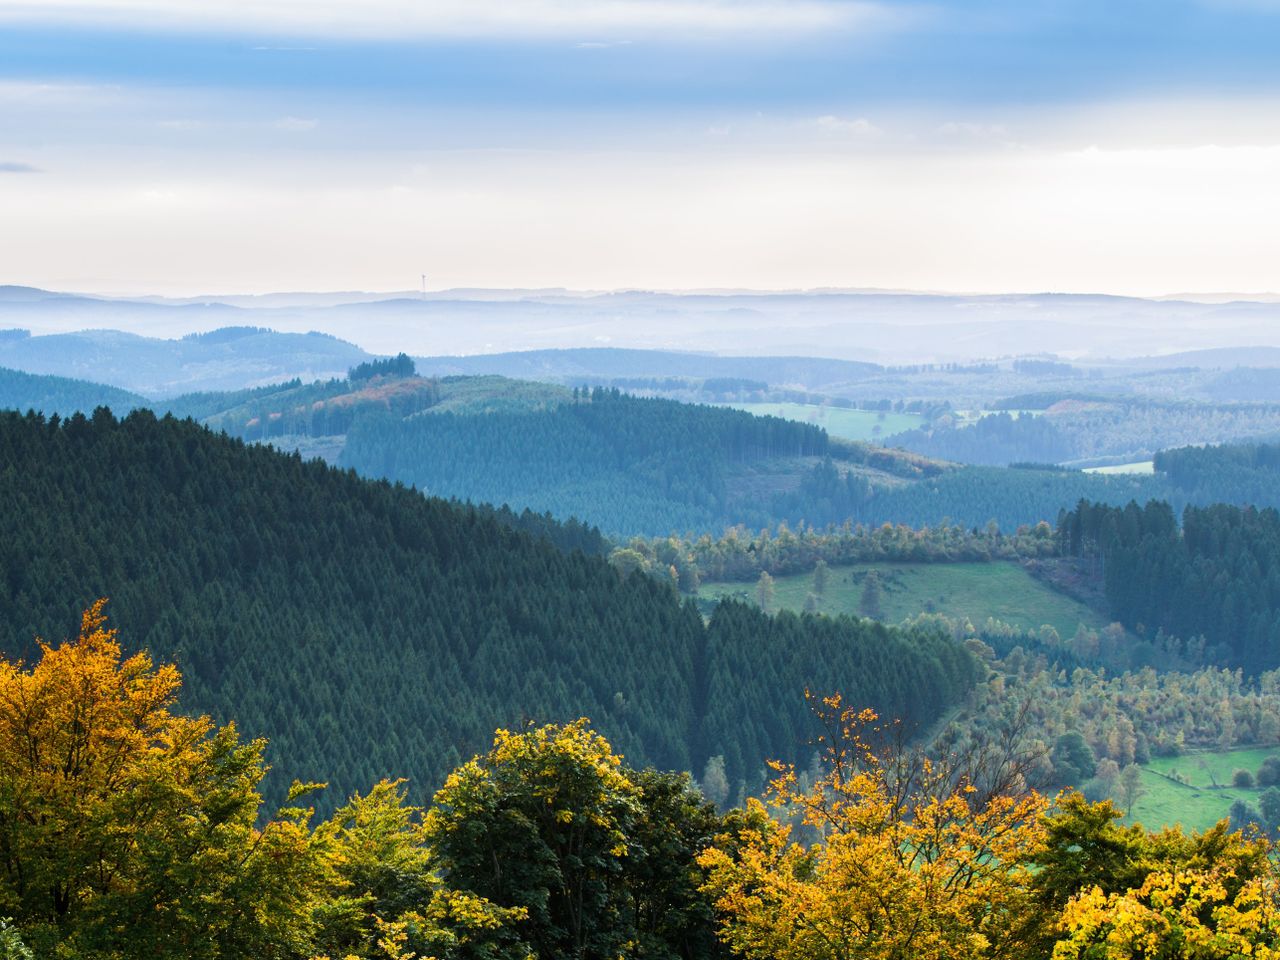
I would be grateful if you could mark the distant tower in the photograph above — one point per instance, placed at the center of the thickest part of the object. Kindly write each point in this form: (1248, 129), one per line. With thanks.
(424, 286)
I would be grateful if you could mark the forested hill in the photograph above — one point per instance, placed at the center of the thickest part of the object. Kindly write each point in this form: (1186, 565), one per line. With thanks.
(1214, 584)
(370, 631)
(1244, 473)
(30, 391)
(626, 463)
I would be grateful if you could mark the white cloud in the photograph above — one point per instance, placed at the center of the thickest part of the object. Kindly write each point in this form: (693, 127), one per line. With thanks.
(958, 128)
(19, 93)
(462, 18)
(858, 127)
(13, 166)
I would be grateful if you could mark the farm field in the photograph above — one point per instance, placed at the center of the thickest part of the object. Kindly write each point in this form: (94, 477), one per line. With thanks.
(1141, 467)
(1002, 590)
(1197, 805)
(866, 425)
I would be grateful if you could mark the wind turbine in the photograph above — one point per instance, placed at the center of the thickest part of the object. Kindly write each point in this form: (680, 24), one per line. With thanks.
(424, 286)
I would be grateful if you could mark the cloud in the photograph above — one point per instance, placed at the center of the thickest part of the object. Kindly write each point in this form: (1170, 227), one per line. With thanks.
(957, 128)
(296, 124)
(9, 166)
(601, 44)
(468, 18)
(858, 127)
(38, 94)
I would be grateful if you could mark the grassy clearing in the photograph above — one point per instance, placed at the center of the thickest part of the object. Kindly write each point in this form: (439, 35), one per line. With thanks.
(868, 425)
(1141, 467)
(1196, 805)
(977, 591)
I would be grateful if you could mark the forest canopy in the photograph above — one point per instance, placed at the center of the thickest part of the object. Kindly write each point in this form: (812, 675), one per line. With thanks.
(370, 631)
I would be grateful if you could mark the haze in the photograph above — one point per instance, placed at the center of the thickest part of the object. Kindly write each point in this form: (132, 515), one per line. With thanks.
(196, 148)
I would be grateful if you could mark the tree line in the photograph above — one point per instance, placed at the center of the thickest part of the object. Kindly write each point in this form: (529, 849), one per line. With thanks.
(1215, 576)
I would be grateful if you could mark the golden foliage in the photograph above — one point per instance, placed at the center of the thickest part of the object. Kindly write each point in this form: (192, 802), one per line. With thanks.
(1174, 915)
(125, 823)
(909, 863)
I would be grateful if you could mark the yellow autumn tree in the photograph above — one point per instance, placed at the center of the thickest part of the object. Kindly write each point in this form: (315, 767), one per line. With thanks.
(910, 861)
(1175, 915)
(128, 829)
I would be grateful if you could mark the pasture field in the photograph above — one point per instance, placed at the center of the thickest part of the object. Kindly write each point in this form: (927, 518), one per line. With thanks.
(1000, 589)
(865, 425)
(1146, 467)
(1198, 804)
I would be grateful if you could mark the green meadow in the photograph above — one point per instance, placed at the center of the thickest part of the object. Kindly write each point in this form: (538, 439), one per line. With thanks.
(1207, 795)
(976, 591)
(866, 425)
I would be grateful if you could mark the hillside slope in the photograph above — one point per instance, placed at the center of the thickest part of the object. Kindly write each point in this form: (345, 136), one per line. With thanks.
(370, 631)
(46, 394)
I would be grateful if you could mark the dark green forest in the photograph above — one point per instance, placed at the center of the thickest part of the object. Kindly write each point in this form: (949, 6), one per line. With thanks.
(370, 631)
(1242, 474)
(29, 391)
(1213, 582)
(627, 464)
(996, 440)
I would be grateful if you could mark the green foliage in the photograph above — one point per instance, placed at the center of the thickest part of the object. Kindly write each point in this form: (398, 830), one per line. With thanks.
(601, 860)
(627, 464)
(995, 440)
(401, 365)
(1085, 846)
(49, 395)
(1218, 578)
(372, 632)
(11, 945)
(1073, 759)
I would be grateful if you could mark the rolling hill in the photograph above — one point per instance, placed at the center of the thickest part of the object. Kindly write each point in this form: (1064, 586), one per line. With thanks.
(369, 631)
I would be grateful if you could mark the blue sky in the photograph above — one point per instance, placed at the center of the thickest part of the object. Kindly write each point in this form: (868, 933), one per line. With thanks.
(184, 146)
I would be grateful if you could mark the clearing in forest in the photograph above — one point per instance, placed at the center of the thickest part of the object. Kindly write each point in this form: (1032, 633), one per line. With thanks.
(1000, 589)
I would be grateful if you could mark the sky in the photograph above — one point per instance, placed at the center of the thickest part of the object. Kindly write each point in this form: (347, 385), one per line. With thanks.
(207, 146)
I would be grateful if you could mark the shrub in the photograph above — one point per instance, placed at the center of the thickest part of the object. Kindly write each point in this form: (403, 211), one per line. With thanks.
(1269, 772)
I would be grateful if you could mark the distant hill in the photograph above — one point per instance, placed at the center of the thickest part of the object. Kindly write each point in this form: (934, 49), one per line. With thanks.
(867, 326)
(26, 391)
(1222, 358)
(590, 365)
(370, 632)
(1256, 384)
(226, 358)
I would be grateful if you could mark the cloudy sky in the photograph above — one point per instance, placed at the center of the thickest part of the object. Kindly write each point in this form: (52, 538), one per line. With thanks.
(194, 146)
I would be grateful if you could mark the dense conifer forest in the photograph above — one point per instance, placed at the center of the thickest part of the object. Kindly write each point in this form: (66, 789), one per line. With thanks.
(1214, 578)
(370, 631)
(29, 391)
(628, 464)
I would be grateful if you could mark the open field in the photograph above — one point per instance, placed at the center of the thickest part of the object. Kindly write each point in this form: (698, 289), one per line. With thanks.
(1141, 467)
(837, 421)
(1002, 590)
(1197, 805)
